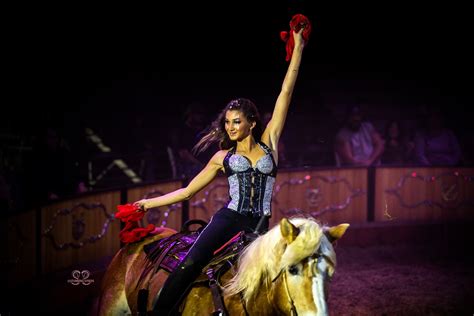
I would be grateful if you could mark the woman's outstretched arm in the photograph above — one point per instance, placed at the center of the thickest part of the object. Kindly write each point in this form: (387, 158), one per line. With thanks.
(200, 181)
(274, 128)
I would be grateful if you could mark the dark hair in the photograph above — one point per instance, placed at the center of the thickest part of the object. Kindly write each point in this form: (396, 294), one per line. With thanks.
(216, 132)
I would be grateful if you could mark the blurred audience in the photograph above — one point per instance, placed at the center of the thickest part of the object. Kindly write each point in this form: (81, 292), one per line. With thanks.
(53, 169)
(399, 148)
(358, 143)
(436, 144)
(183, 139)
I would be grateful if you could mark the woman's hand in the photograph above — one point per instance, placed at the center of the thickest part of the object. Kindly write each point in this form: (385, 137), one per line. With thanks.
(143, 205)
(298, 36)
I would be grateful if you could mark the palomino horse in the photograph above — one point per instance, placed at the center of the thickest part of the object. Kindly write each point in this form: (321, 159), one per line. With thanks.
(282, 272)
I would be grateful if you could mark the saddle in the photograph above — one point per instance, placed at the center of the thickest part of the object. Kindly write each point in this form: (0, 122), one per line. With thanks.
(167, 254)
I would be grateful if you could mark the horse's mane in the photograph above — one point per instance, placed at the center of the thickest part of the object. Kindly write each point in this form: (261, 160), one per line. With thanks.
(262, 260)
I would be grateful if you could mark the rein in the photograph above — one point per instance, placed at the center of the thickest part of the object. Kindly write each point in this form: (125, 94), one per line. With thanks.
(293, 307)
(285, 282)
(316, 257)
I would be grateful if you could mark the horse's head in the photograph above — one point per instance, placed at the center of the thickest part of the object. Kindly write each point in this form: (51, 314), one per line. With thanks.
(308, 264)
(291, 265)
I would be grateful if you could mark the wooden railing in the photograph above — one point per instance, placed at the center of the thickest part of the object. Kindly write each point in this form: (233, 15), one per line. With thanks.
(424, 194)
(82, 229)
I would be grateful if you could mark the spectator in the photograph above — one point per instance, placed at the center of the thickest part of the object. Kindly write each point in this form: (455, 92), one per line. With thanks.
(183, 140)
(357, 142)
(435, 144)
(398, 148)
(53, 170)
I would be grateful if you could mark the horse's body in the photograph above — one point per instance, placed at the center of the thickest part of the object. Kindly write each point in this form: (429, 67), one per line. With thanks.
(282, 272)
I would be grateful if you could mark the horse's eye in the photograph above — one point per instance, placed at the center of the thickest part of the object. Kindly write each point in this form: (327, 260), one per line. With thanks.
(293, 270)
(316, 255)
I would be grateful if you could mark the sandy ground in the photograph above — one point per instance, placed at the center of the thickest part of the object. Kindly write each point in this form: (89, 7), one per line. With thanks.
(402, 280)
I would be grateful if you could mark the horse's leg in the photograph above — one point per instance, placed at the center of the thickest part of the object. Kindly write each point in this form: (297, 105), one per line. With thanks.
(113, 300)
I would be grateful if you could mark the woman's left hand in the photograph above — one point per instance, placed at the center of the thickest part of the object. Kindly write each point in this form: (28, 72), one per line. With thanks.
(298, 36)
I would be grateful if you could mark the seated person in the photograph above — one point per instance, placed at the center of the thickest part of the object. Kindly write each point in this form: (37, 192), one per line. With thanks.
(398, 149)
(357, 142)
(435, 144)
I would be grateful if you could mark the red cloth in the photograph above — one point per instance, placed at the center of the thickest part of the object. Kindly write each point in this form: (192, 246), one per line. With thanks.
(130, 214)
(132, 232)
(297, 22)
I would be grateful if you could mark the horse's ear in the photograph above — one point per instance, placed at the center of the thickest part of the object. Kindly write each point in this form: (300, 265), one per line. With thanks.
(335, 232)
(288, 230)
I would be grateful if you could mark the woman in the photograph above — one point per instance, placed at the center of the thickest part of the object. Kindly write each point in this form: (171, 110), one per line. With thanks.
(398, 148)
(249, 157)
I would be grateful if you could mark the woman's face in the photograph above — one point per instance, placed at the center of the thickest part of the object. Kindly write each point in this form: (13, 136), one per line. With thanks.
(237, 126)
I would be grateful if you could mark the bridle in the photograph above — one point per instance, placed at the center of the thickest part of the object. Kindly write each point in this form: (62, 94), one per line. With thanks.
(317, 257)
(292, 307)
(293, 311)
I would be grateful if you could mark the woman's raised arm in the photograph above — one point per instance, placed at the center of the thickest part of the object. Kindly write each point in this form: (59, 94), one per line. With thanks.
(274, 128)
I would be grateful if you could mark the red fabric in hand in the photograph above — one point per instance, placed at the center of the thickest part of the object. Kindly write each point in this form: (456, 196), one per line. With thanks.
(297, 22)
(131, 214)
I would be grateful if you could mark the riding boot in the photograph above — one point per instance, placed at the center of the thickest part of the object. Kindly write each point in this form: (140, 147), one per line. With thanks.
(176, 286)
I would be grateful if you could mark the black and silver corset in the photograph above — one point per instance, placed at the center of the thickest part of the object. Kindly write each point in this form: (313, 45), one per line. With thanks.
(250, 188)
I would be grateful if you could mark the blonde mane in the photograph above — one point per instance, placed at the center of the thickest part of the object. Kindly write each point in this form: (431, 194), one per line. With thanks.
(264, 258)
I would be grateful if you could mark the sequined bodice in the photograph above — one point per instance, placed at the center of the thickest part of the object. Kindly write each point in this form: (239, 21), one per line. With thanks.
(250, 187)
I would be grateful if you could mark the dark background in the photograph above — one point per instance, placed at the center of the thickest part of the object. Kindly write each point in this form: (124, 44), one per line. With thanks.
(125, 57)
(128, 71)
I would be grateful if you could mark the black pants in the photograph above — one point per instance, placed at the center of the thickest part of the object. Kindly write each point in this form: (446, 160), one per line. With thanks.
(224, 225)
